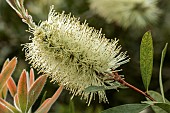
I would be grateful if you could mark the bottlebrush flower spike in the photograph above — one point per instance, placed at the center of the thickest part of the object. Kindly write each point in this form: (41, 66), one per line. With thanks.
(73, 54)
(127, 13)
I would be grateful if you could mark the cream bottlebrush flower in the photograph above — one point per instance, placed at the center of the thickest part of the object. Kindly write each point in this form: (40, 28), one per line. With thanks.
(126, 13)
(73, 54)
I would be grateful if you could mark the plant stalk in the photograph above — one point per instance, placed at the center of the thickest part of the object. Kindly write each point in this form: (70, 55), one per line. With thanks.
(119, 79)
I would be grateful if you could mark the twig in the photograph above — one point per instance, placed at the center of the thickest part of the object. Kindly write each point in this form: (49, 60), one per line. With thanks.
(118, 78)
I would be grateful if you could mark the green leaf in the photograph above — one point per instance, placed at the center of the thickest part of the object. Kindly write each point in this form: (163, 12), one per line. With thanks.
(22, 91)
(146, 59)
(43, 98)
(71, 107)
(164, 106)
(157, 96)
(160, 71)
(127, 108)
(99, 88)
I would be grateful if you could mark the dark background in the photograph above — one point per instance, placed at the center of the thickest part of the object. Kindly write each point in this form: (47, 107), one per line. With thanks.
(13, 34)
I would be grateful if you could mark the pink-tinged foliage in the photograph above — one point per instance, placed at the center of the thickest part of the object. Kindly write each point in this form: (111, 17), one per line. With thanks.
(4, 109)
(5, 63)
(12, 87)
(35, 90)
(7, 72)
(45, 107)
(16, 101)
(43, 104)
(9, 106)
(25, 93)
(32, 77)
(3, 92)
(22, 91)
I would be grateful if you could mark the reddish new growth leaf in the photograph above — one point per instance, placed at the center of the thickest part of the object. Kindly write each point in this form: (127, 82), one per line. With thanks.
(35, 90)
(22, 91)
(31, 77)
(46, 105)
(9, 106)
(4, 109)
(12, 87)
(7, 72)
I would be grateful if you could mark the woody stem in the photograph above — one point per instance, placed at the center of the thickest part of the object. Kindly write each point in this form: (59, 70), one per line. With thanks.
(118, 78)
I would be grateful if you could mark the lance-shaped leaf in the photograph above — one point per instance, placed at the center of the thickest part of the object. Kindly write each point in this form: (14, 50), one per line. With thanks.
(99, 88)
(5, 64)
(22, 91)
(146, 58)
(3, 92)
(7, 72)
(32, 77)
(164, 106)
(42, 106)
(16, 101)
(35, 90)
(160, 71)
(127, 108)
(4, 109)
(71, 107)
(46, 106)
(158, 98)
(12, 108)
(43, 97)
(12, 87)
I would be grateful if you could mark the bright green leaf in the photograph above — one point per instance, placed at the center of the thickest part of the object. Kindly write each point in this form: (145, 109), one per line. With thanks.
(164, 106)
(127, 108)
(160, 71)
(158, 98)
(146, 58)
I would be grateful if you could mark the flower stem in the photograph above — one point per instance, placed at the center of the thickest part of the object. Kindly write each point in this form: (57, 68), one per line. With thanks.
(118, 78)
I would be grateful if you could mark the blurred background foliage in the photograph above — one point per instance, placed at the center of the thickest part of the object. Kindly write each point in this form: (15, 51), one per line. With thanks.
(13, 34)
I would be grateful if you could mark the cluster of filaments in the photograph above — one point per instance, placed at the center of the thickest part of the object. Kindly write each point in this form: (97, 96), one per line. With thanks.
(127, 13)
(73, 54)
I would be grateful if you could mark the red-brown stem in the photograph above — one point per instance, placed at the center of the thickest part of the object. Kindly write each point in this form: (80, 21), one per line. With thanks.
(118, 78)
